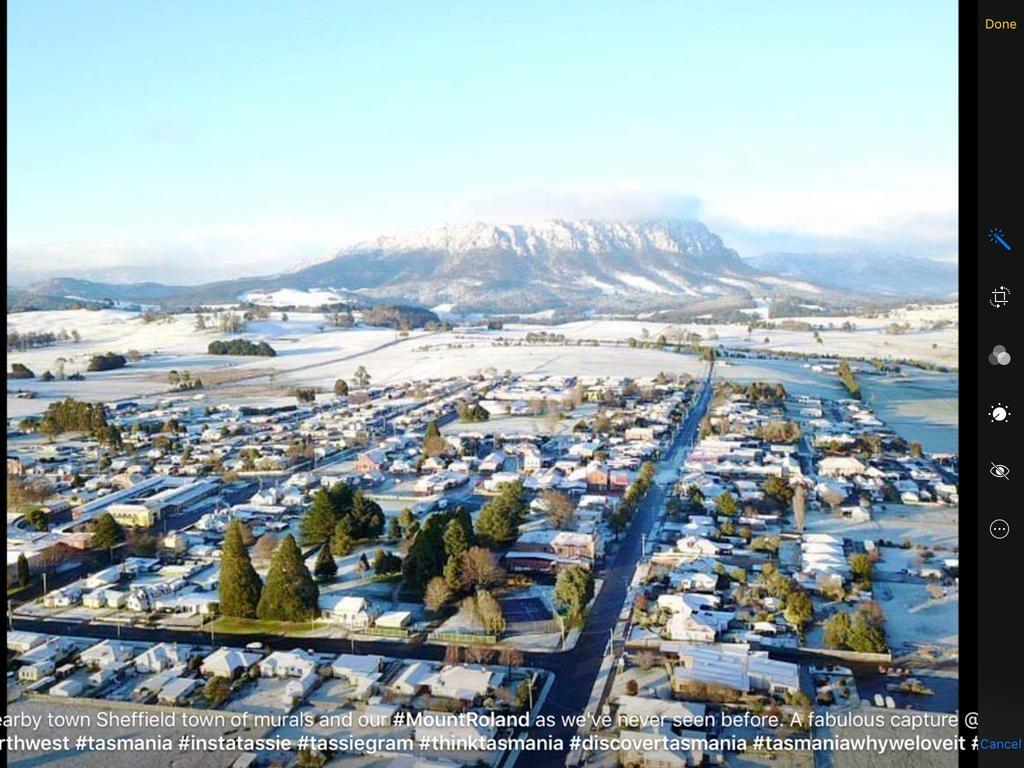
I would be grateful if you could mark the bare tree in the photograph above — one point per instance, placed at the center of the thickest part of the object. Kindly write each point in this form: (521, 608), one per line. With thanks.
(559, 509)
(647, 659)
(833, 498)
(361, 377)
(480, 654)
(437, 594)
(480, 568)
(510, 657)
(799, 507)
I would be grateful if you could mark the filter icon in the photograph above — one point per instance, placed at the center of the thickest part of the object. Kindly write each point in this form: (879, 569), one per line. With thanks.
(999, 356)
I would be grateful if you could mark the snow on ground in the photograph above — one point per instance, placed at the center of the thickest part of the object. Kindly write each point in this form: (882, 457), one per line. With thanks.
(913, 618)
(289, 297)
(677, 281)
(309, 353)
(606, 288)
(790, 283)
(931, 526)
(524, 425)
(438, 360)
(640, 282)
(173, 344)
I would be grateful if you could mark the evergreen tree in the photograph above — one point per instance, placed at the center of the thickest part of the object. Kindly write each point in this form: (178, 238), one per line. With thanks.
(408, 522)
(458, 534)
(865, 637)
(433, 443)
(325, 568)
(426, 558)
(290, 593)
(320, 521)
(107, 533)
(499, 520)
(726, 504)
(368, 517)
(240, 585)
(799, 608)
(343, 542)
(341, 498)
(458, 537)
(574, 589)
(453, 573)
(394, 529)
(837, 628)
(37, 518)
(24, 574)
(386, 563)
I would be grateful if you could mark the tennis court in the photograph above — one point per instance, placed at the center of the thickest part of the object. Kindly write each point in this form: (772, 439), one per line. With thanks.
(523, 609)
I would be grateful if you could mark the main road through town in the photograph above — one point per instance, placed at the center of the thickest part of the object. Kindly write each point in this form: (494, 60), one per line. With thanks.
(576, 671)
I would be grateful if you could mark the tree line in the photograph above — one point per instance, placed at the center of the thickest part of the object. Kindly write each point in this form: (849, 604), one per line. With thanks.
(70, 415)
(20, 341)
(240, 347)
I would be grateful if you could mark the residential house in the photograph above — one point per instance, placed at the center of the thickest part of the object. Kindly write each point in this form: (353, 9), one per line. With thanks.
(294, 663)
(413, 679)
(350, 611)
(374, 460)
(177, 691)
(106, 653)
(162, 657)
(464, 683)
(568, 547)
(228, 662)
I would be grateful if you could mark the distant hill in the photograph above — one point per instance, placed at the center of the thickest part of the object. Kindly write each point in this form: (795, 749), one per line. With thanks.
(884, 274)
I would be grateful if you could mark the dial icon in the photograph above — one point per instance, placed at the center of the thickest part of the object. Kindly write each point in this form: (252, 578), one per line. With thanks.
(999, 412)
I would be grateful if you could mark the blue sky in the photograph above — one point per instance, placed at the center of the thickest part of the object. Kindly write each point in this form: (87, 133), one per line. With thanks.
(186, 139)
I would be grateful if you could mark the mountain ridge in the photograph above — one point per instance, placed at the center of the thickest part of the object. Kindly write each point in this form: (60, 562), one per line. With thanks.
(580, 265)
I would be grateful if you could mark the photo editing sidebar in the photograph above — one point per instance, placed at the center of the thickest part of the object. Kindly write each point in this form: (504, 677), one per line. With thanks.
(998, 418)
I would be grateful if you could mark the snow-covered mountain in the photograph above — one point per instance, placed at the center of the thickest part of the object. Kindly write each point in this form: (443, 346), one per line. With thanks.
(523, 268)
(886, 274)
(579, 265)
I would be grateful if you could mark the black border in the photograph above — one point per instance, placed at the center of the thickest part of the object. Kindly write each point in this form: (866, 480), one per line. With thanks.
(970, 613)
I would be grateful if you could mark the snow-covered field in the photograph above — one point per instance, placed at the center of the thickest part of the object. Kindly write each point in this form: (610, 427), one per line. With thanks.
(311, 354)
(173, 344)
(931, 526)
(914, 618)
(921, 342)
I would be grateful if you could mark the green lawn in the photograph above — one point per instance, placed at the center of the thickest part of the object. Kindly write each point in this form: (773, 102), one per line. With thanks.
(14, 590)
(229, 625)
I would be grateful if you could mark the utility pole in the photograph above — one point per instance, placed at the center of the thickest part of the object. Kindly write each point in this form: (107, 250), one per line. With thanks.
(10, 615)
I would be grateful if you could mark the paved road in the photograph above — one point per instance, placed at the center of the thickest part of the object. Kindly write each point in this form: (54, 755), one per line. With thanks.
(576, 670)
